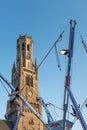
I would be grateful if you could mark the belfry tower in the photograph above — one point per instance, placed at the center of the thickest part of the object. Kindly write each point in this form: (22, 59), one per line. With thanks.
(25, 74)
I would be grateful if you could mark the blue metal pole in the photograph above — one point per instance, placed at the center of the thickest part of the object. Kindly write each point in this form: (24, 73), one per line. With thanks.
(68, 78)
(79, 115)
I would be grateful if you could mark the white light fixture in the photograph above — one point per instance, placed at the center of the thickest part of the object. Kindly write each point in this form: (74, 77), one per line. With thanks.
(64, 52)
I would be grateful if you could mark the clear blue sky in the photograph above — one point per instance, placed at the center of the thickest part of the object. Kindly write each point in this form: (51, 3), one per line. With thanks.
(44, 20)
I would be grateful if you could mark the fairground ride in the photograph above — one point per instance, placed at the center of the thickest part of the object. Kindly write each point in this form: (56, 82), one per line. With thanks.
(61, 124)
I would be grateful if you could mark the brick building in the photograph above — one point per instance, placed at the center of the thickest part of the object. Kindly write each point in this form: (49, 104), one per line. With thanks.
(25, 73)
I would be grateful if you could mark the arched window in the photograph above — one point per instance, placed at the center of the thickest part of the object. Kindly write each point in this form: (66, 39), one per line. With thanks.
(23, 46)
(29, 81)
(28, 47)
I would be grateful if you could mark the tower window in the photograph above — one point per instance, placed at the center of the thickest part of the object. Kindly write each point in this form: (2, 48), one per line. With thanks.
(28, 47)
(23, 46)
(29, 81)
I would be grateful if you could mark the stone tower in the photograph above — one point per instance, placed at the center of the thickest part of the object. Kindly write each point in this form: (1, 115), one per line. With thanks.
(25, 74)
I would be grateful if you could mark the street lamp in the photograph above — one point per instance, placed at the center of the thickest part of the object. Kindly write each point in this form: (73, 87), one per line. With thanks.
(64, 52)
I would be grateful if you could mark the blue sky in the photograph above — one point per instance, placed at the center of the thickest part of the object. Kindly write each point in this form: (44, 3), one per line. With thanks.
(44, 20)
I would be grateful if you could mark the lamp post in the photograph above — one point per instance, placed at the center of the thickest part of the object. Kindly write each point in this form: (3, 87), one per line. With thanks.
(65, 102)
(68, 52)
